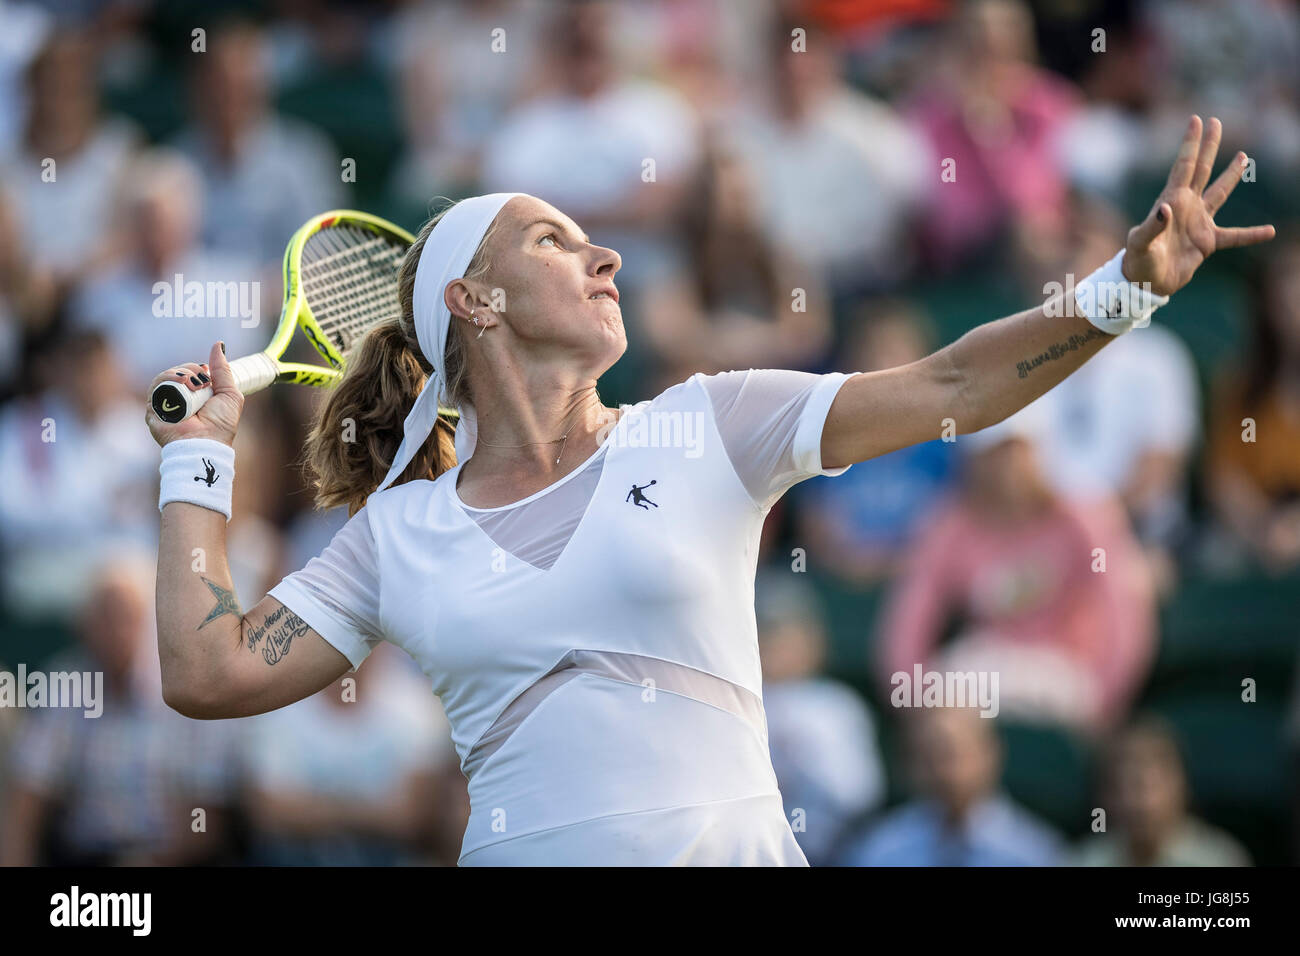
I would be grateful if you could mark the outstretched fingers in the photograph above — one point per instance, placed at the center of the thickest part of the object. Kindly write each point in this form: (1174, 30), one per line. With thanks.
(1184, 167)
(1244, 236)
(1218, 193)
(1206, 155)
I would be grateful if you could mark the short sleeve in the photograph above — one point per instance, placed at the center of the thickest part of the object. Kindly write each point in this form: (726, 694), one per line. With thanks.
(771, 423)
(337, 592)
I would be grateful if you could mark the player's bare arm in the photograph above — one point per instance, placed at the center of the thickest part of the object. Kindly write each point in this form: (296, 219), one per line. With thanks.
(998, 368)
(218, 660)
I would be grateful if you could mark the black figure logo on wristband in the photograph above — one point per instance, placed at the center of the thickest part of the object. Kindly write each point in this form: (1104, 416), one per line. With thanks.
(211, 477)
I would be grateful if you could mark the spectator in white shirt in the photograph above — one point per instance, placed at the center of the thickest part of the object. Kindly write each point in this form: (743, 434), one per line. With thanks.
(613, 152)
(842, 174)
(80, 477)
(1127, 423)
(262, 175)
(136, 304)
(487, 63)
(65, 172)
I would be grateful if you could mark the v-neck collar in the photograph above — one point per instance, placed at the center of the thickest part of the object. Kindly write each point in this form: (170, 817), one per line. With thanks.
(454, 475)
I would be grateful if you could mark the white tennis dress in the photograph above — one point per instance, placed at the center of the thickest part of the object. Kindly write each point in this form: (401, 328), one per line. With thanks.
(594, 645)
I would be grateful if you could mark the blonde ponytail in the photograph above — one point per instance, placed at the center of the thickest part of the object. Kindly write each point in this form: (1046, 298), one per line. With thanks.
(358, 428)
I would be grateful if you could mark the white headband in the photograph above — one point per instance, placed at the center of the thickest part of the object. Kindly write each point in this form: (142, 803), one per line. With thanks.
(446, 255)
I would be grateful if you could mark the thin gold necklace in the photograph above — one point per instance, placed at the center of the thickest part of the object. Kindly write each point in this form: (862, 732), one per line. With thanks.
(564, 439)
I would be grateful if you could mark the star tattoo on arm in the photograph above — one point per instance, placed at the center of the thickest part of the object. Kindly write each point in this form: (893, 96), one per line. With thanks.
(226, 603)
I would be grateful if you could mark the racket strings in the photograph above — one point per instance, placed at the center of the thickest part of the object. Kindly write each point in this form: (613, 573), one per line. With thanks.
(351, 288)
(349, 276)
(346, 305)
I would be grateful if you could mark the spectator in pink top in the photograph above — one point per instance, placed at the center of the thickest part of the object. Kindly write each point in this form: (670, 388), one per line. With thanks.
(992, 119)
(1051, 594)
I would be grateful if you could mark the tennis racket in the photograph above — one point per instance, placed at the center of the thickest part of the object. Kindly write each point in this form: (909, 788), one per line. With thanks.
(340, 279)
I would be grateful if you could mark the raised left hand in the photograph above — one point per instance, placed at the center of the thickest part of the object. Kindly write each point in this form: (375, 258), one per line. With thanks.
(1179, 233)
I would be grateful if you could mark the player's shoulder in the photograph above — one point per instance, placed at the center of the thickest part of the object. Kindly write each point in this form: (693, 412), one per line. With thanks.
(722, 383)
(702, 391)
(667, 395)
(720, 391)
(409, 501)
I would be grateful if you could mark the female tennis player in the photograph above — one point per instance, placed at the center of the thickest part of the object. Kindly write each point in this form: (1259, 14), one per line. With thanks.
(578, 581)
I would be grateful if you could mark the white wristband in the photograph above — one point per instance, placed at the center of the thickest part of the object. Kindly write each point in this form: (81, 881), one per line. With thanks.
(1114, 304)
(200, 471)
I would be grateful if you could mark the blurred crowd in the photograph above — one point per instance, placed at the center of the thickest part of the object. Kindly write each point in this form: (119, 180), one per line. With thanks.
(809, 184)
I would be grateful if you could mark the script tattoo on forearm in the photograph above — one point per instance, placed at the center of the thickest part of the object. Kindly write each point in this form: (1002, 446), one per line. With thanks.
(226, 603)
(1058, 350)
(280, 628)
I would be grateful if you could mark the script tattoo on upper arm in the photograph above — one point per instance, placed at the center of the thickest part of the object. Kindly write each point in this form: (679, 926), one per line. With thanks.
(279, 629)
(226, 603)
(1057, 350)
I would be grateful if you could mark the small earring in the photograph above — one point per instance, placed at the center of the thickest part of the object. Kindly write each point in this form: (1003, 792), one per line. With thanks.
(482, 328)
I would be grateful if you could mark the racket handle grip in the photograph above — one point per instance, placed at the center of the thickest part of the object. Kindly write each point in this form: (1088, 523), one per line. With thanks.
(174, 403)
